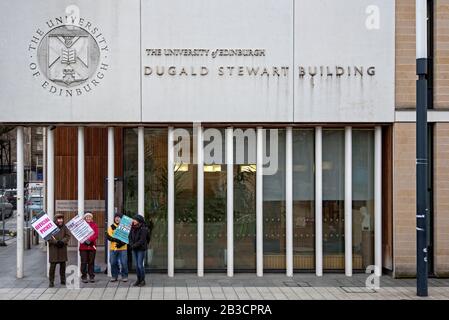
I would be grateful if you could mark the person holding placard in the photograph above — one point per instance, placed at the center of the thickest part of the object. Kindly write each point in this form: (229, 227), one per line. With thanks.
(57, 246)
(88, 250)
(118, 252)
(138, 241)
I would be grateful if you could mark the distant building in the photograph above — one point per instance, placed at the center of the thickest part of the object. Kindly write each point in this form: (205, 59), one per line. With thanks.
(33, 159)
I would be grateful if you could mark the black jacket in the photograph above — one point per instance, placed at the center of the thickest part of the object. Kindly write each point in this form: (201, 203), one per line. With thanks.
(138, 238)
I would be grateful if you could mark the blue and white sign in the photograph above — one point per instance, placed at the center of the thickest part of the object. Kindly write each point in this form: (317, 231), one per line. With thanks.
(122, 231)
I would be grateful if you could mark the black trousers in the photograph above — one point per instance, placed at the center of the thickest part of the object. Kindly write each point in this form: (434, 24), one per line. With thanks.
(53, 270)
(87, 263)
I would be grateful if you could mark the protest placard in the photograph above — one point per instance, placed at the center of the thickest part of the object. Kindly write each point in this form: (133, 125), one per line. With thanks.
(79, 228)
(44, 226)
(122, 231)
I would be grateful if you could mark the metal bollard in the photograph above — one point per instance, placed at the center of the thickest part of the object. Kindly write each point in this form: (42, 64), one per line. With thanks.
(35, 237)
(27, 237)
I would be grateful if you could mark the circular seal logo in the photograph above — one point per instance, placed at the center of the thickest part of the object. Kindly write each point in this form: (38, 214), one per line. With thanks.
(70, 57)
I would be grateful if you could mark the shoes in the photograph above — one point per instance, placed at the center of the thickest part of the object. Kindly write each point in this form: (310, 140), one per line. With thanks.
(84, 280)
(92, 280)
(51, 285)
(141, 284)
(114, 280)
(125, 279)
(136, 284)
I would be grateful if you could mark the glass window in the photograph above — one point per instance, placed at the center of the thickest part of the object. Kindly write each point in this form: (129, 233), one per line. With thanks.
(362, 198)
(155, 153)
(185, 188)
(156, 191)
(274, 199)
(130, 171)
(333, 199)
(304, 199)
(245, 199)
(214, 199)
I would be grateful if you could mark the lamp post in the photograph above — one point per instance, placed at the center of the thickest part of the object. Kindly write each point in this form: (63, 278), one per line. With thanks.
(421, 149)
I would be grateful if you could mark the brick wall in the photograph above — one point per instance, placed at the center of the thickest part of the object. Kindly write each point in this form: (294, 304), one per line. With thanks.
(441, 200)
(404, 200)
(441, 62)
(405, 54)
(406, 57)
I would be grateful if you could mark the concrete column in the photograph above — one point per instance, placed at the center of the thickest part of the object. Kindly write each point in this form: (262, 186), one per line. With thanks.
(171, 205)
(378, 200)
(50, 173)
(50, 179)
(20, 202)
(141, 171)
(259, 202)
(318, 201)
(80, 171)
(44, 168)
(200, 201)
(289, 200)
(348, 201)
(80, 183)
(230, 200)
(111, 177)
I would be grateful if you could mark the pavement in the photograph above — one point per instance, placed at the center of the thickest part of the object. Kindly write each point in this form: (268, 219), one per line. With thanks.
(213, 286)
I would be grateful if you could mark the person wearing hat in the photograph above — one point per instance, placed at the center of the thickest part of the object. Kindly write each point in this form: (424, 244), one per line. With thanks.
(57, 246)
(138, 242)
(88, 250)
(118, 252)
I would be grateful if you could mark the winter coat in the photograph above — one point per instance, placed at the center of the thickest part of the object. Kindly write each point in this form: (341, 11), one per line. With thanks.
(114, 242)
(93, 239)
(58, 253)
(138, 237)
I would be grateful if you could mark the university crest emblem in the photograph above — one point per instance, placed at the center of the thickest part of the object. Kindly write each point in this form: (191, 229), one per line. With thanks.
(70, 57)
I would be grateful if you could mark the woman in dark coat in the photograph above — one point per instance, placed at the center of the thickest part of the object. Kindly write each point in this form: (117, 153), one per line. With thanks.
(138, 242)
(57, 246)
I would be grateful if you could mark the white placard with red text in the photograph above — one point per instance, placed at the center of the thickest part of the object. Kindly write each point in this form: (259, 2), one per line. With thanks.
(44, 226)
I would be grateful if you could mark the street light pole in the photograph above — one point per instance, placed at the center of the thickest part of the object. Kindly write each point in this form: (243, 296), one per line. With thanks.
(421, 149)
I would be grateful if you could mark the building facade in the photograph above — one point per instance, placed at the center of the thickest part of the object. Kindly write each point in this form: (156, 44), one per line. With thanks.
(256, 136)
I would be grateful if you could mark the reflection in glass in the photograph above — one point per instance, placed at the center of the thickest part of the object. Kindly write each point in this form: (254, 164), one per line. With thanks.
(130, 171)
(333, 199)
(362, 198)
(214, 200)
(185, 188)
(155, 152)
(156, 190)
(244, 199)
(274, 200)
(304, 199)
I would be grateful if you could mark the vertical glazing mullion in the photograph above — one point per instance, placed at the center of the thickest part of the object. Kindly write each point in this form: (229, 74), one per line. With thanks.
(289, 200)
(318, 201)
(378, 201)
(259, 202)
(230, 200)
(348, 201)
(170, 205)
